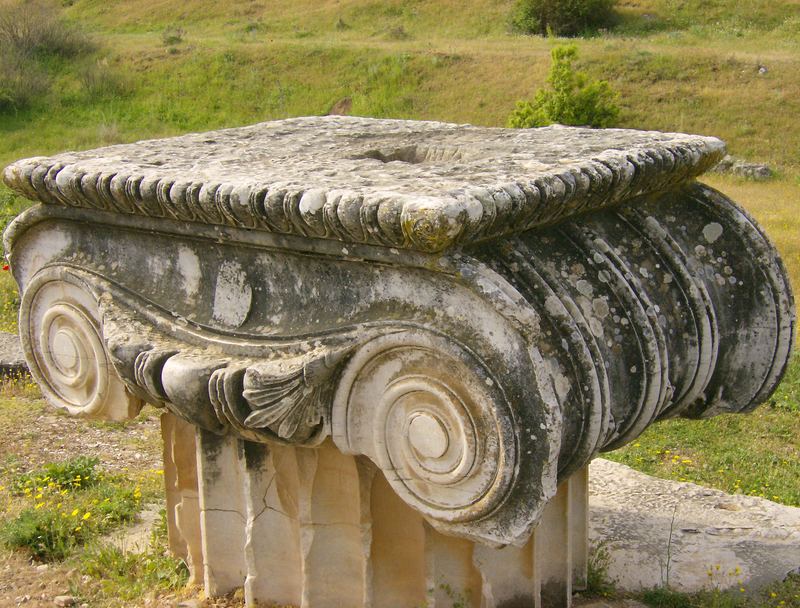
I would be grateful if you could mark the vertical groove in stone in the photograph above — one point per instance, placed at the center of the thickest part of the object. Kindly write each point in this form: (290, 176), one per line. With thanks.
(456, 581)
(506, 576)
(398, 547)
(182, 499)
(223, 516)
(274, 567)
(552, 552)
(331, 528)
(578, 523)
(367, 472)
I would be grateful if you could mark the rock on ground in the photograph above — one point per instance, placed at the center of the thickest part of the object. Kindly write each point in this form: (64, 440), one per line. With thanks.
(698, 537)
(736, 166)
(12, 361)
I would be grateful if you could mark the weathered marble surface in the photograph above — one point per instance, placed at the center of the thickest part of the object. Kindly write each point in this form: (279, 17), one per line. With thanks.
(698, 538)
(411, 184)
(474, 312)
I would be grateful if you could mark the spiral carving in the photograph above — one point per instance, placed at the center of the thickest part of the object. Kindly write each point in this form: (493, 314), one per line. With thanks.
(432, 420)
(61, 337)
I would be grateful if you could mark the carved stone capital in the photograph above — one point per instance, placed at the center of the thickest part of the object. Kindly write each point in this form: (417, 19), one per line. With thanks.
(479, 312)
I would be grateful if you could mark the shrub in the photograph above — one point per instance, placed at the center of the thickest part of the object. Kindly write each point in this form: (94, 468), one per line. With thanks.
(571, 99)
(76, 473)
(30, 32)
(20, 82)
(99, 80)
(172, 36)
(562, 17)
(69, 504)
(45, 533)
(35, 28)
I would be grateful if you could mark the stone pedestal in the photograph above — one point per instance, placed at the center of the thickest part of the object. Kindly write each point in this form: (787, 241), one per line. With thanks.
(393, 346)
(318, 528)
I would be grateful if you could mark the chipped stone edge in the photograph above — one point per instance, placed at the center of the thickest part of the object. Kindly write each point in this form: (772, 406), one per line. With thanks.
(423, 223)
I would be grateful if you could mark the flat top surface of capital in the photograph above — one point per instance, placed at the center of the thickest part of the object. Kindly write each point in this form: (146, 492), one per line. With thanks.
(419, 185)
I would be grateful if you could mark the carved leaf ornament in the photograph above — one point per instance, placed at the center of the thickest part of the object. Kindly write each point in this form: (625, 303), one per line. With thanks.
(286, 397)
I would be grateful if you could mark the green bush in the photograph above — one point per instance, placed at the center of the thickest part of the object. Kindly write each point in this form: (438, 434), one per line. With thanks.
(20, 82)
(47, 534)
(35, 28)
(562, 17)
(68, 504)
(31, 33)
(570, 99)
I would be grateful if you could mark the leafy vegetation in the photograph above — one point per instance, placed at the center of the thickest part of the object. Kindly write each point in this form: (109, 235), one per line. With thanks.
(785, 594)
(562, 17)
(570, 99)
(598, 583)
(123, 576)
(64, 505)
(31, 35)
(74, 474)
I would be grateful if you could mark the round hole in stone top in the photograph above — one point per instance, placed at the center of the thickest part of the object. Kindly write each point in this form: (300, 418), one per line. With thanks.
(414, 154)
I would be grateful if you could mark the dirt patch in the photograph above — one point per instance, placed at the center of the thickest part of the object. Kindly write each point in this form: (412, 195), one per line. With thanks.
(23, 583)
(35, 433)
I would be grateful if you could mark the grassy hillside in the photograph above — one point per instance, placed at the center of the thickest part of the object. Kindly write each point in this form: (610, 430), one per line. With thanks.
(694, 68)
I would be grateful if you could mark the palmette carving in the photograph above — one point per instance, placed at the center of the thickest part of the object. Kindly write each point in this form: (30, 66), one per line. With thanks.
(285, 399)
(288, 397)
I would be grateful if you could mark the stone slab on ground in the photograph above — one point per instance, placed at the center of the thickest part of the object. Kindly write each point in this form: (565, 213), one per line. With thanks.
(742, 540)
(12, 361)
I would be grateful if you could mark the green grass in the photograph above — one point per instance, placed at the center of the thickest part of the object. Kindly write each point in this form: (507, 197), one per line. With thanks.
(55, 510)
(238, 64)
(78, 473)
(120, 577)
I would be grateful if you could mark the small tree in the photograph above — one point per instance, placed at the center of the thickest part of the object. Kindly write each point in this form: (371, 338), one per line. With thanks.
(570, 99)
(562, 17)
